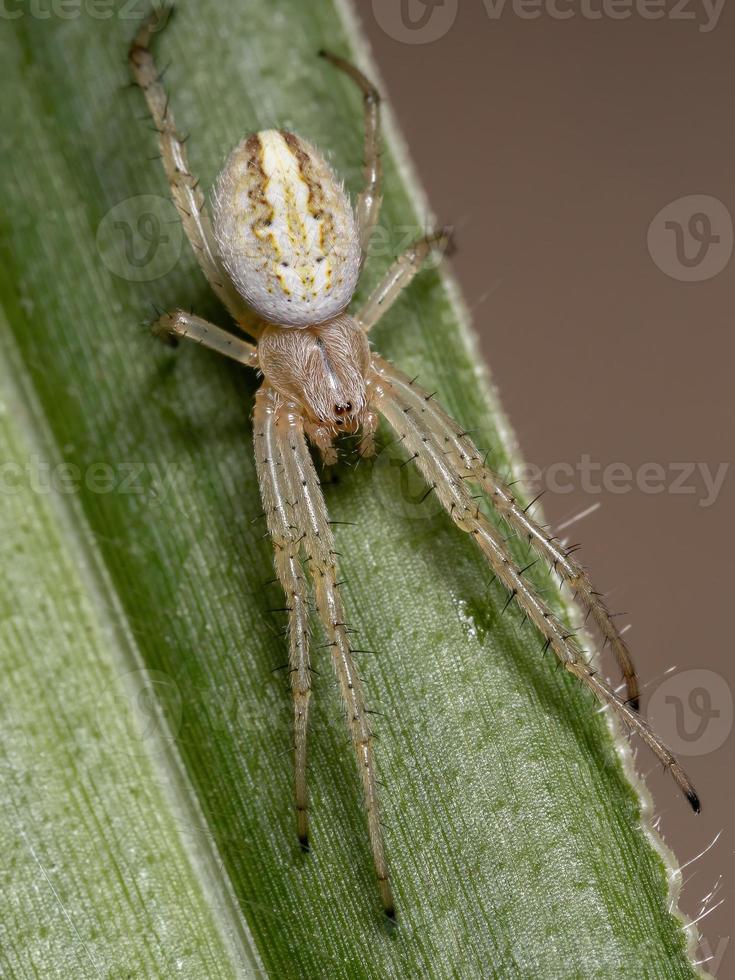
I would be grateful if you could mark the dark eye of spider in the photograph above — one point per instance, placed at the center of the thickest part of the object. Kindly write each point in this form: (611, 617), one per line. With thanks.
(341, 410)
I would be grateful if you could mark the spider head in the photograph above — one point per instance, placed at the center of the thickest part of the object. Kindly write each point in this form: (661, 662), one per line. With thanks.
(286, 230)
(321, 368)
(342, 412)
(344, 420)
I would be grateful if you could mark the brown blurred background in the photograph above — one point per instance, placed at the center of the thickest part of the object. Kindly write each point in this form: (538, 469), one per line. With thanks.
(551, 145)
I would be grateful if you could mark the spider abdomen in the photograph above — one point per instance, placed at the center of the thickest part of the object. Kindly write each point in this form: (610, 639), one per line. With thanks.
(286, 230)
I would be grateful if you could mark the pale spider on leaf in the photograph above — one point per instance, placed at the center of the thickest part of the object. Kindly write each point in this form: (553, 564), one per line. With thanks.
(284, 255)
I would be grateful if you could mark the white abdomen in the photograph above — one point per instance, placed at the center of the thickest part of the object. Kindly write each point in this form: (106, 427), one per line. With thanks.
(286, 230)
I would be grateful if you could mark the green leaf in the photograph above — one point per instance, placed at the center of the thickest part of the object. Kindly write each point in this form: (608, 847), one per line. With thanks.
(146, 780)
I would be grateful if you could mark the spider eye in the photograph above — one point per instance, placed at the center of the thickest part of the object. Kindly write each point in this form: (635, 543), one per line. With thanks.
(343, 409)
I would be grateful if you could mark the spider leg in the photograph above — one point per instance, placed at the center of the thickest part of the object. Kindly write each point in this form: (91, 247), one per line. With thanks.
(286, 537)
(470, 465)
(185, 190)
(285, 461)
(369, 200)
(366, 446)
(322, 438)
(419, 437)
(399, 275)
(171, 326)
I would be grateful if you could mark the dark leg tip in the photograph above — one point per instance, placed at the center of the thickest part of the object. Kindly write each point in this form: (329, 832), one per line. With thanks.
(161, 16)
(322, 53)
(165, 336)
(450, 248)
(386, 898)
(693, 801)
(635, 703)
(304, 843)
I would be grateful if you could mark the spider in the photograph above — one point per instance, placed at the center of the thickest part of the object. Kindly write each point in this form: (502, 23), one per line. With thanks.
(284, 253)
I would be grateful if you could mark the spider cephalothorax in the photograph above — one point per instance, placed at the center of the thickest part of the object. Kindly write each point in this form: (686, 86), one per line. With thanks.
(284, 256)
(323, 368)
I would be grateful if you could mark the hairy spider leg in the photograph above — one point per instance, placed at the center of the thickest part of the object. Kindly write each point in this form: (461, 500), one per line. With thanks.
(297, 516)
(470, 465)
(171, 326)
(369, 200)
(186, 193)
(282, 515)
(440, 472)
(399, 275)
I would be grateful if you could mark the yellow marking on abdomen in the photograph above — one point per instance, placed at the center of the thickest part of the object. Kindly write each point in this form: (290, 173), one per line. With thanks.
(296, 234)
